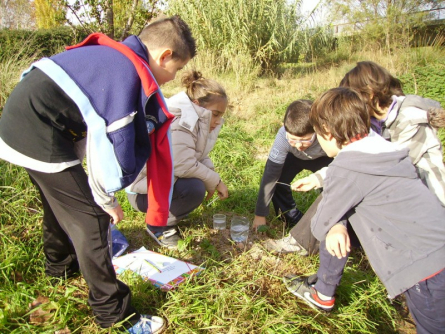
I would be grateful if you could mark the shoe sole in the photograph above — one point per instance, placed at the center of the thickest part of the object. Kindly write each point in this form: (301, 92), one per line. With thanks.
(162, 329)
(271, 247)
(160, 243)
(312, 305)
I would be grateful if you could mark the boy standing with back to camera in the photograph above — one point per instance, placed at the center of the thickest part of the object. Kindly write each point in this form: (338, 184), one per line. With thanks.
(373, 185)
(101, 96)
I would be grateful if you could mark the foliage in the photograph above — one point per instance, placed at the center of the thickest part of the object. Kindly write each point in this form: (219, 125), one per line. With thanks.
(10, 69)
(131, 22)
(316, 42)
(427, 81)
(263, 30)
(49, 13)
(382, 23)
(21, 47)
(116, 18)
(16, 14)
(39, 43)
(239, 291)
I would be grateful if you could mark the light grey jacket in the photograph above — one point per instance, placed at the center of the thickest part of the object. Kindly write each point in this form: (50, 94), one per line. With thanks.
(191, 143)
(399, 222)
(407, 126)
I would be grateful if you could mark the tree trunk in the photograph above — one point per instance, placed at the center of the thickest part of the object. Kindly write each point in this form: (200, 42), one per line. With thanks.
(130, 19)
(109, 18)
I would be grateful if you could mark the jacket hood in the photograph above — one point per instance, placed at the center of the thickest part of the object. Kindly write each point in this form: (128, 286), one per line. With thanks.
(360, 156)
(181, 106)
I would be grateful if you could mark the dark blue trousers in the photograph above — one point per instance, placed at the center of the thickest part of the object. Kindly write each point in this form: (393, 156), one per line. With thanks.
(188, 194)
(426, 303)
(331, 268)
(426, 299)
(282, 199)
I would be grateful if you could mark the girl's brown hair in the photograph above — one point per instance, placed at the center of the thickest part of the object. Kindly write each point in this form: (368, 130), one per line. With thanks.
(374, 83)
(201, 89)
(342, 113)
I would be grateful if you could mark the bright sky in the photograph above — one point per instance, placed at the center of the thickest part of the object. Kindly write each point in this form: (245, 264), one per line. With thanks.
(309, 5)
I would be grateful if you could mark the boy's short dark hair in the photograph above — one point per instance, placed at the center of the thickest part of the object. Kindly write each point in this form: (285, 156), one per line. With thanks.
(171, 32)
(375, 84)
(296, 118)
(341, 112)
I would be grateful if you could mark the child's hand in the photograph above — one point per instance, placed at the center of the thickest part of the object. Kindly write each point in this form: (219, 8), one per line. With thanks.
(258, 221)
(209, 195)
(222, 190)
(305, 184)
(116, 214)
(337, 241)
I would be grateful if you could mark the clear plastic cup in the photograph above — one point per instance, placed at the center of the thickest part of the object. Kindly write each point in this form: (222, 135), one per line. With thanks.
(239, 229)
(219, 221)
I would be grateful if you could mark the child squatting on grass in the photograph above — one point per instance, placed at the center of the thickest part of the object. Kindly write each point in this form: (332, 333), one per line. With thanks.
(198, 120)
(295, 148)
(408, 121)
(102, 97)
(373, 186)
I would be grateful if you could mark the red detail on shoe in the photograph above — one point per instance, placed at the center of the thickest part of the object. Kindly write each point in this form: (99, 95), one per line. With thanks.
(327, 303)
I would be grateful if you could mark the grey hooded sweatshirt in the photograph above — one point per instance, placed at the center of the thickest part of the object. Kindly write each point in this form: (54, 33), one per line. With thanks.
(399, 222)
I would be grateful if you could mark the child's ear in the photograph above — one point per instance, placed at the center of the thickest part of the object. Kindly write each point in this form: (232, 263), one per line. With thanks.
(195, 102)
(328, 135)
(164, 57)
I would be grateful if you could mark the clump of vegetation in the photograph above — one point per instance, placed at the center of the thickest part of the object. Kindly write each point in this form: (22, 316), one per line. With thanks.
(240, 291)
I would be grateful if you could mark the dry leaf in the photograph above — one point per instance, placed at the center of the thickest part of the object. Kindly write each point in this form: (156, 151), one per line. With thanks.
(43, 311)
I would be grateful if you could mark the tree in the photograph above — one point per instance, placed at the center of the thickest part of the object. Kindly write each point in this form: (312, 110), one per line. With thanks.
(388, 22)
(116, 18)
(16, 14)
(49, 13)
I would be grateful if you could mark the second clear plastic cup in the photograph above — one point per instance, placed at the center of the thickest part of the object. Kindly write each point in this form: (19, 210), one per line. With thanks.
(219, 221)
(239, 229)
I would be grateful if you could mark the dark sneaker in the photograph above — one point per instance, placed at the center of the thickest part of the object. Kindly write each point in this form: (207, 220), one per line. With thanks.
(303, 287)
(165, 236)
(291, 217)
(148, 324)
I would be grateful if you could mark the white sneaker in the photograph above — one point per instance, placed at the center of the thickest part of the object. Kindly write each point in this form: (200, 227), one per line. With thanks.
(148, 324)
(285, 245)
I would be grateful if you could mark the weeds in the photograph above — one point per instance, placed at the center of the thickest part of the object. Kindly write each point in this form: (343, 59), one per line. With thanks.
(240, 291)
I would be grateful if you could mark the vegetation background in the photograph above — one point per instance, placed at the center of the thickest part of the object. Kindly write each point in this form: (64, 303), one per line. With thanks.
(266, 54)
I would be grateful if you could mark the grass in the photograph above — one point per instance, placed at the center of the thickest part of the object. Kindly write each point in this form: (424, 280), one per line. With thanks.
(241, 289)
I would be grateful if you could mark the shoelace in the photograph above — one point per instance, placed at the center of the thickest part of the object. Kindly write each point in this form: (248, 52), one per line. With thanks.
(145, 323)
(169, 233)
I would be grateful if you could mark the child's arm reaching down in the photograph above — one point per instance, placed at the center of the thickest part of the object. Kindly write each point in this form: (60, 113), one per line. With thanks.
(313, 181)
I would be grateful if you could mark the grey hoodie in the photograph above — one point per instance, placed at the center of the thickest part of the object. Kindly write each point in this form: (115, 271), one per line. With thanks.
(399, 222)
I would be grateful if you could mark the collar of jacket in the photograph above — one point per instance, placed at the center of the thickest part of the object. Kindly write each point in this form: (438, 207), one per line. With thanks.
(180, 105)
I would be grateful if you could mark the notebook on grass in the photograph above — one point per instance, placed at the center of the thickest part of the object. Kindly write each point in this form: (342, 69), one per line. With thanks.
(163, 271)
